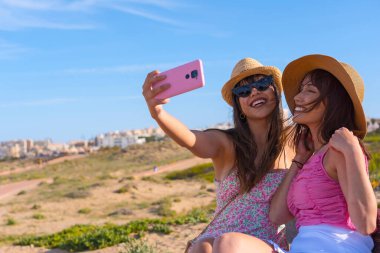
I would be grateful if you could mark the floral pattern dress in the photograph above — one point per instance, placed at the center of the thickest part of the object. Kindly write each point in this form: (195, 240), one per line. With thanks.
(247, 213)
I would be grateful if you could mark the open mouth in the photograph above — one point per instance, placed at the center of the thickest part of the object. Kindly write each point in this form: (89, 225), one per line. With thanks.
(299, 109)
(258, 102)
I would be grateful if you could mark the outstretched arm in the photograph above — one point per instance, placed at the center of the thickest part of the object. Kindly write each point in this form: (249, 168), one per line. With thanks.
(210, 144)
(349, 161)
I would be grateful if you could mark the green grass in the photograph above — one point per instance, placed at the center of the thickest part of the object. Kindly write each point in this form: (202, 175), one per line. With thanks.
(10, 222)
(374, 170)
(85, 210)
(372, 141)
(91, 237)
(38, 216)
(135, 158)
(203, 171)
(372, 138)
(164, 208)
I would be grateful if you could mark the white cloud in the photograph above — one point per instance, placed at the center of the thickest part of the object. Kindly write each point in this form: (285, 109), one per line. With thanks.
(9, 50)
(29, 4)
(17, 14)
(147, 15)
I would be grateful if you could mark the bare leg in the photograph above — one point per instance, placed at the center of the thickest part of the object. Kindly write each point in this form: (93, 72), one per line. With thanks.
(204, 246)
(240, 243)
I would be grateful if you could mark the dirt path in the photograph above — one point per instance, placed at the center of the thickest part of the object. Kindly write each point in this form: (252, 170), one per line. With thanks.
(41, 166)
(12, 189)
(180, 165)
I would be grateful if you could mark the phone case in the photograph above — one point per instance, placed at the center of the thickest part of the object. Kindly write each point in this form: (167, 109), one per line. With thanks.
(182, 79)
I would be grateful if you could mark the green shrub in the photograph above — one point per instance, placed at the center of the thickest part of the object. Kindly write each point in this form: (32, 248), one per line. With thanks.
(374, 170)
(84, 211)
(79, 194)
(161, 228)
(164, 208)
(10, 222)
(372, 137)
(143, 205)
(126, 188)
(203, 171)
(91, 237)
(176, 200)
(21, 192)
(36, 206)
(38, 216)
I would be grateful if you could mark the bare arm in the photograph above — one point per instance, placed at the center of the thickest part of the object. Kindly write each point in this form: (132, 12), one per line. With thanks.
(349, 161)
(279, 212)
(208, 144)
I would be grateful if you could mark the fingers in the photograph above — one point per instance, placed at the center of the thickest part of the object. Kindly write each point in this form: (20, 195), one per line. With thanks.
(151, 79)
(148, 90)
(159, 89)
(343, 132)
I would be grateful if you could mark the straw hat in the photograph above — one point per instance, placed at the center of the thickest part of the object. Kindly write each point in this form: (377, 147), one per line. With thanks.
(248, 67)
(350, 79)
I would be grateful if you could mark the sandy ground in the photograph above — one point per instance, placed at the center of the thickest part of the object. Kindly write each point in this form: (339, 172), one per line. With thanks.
(102, 202)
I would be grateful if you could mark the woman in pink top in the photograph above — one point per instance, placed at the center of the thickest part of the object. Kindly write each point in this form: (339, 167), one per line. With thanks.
(246, 158)
(327, 188)
(329, 194)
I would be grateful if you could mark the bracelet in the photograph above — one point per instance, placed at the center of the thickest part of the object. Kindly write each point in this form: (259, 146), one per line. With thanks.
(298, 164)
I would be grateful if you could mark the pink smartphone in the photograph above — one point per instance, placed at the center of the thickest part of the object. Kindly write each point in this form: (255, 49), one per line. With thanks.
(182, 79)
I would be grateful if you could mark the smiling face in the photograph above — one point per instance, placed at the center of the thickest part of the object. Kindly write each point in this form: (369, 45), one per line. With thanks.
(259, 104)
(309, 110)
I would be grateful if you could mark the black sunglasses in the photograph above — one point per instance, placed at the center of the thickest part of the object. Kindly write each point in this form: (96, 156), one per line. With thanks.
(245, 90)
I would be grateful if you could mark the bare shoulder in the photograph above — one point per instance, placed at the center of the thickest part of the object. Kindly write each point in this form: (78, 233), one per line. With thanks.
(333, 160)
(221, 134)
(224, 162)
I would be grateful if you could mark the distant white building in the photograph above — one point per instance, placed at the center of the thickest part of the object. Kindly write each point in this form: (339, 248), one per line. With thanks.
(372, 124)
(117, 139)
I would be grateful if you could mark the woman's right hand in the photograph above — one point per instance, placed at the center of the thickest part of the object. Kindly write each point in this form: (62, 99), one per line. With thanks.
(149, 92)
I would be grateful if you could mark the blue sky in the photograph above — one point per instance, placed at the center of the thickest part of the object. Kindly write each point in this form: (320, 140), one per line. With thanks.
(74, 69)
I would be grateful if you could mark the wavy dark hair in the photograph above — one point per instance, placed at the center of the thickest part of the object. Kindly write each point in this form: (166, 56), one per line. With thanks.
(339, 109)
(246, 148)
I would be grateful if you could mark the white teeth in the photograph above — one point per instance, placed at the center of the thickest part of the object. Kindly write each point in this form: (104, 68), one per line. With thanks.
(258, 102)
(298, 109)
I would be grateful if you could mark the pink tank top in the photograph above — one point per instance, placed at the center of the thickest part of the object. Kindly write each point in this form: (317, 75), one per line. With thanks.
(316, 198)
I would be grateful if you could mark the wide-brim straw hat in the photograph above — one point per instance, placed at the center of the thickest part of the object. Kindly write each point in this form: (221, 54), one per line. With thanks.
(295, 72)
(248, 67)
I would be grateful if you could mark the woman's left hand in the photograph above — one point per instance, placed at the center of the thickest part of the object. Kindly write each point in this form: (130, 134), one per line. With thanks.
(343, 140)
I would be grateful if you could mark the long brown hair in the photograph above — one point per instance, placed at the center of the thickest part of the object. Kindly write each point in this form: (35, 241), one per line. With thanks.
(339, 110)
(246, 148)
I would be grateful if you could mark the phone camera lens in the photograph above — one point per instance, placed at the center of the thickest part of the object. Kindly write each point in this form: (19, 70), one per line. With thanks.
(187, 76)
(194, 74)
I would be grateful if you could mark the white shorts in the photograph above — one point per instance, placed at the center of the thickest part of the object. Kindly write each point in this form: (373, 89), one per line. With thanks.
(328, 239)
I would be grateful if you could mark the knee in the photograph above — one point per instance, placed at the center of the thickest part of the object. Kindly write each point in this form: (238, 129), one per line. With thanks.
(227, 243)
(204, 246)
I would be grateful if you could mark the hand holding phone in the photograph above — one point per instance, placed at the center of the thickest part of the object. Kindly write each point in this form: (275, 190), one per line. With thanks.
(182, 79)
